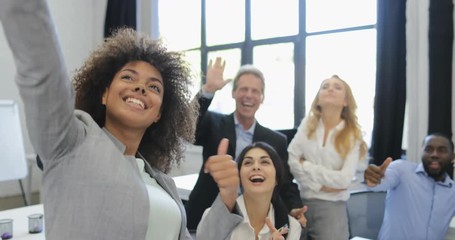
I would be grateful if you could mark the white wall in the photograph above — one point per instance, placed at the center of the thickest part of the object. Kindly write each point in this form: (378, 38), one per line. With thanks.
(80, 27)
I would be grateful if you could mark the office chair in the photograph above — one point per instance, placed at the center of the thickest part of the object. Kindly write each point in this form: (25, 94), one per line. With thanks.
(365, 213)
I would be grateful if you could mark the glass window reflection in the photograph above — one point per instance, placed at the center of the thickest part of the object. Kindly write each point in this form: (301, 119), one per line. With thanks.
(180, 23)
(324, 15)
(225, 21)
(277, 63)
(194, 60)
(271, 18)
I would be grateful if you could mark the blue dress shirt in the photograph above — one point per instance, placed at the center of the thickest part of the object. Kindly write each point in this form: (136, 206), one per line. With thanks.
(243, 137)
(417, 207)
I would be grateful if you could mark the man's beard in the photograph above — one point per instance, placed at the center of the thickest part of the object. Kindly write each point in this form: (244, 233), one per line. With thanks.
(437, 175)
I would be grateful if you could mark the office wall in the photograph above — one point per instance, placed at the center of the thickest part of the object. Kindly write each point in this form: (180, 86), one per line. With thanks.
(79, 26)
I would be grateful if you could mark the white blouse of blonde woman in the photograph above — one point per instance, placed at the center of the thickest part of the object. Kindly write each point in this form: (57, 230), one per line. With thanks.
(315, 163)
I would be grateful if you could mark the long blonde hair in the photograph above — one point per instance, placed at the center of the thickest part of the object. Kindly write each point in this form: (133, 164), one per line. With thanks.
(346, 138)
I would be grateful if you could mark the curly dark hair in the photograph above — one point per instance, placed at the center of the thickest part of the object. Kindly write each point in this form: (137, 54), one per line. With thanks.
(164, 142)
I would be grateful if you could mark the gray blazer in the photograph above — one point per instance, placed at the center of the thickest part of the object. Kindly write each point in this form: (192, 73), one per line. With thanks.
(225, 223)
(90, 190)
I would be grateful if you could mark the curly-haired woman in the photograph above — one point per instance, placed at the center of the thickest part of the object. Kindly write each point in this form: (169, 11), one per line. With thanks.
(106, 150)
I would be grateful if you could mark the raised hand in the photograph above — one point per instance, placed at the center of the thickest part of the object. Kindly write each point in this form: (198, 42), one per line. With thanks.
(373, 173)
(225, 173)
(214, 78)
(275, 234)
(299, 214)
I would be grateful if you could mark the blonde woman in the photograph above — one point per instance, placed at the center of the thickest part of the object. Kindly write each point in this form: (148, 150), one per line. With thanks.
(323, 157)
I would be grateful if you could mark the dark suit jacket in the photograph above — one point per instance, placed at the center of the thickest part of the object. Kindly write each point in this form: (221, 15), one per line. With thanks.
(212, 127)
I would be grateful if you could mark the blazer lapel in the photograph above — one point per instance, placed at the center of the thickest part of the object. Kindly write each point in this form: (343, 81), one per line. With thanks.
(258, 132)
(228, 128)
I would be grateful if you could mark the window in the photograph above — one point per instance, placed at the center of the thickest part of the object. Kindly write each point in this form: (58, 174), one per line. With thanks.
(296, 43)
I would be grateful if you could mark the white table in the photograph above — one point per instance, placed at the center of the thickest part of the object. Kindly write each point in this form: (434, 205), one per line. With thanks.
(20, 215)
(185, 184)
(20, 222)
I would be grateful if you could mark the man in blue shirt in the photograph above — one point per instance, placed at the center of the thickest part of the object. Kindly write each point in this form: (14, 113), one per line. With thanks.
(420, 200)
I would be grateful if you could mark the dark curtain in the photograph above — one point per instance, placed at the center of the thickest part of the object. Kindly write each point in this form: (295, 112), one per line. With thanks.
(440, 55)
(390, 96)
(119, 13)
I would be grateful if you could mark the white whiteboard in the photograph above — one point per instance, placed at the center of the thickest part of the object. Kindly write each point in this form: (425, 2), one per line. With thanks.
(13, 164)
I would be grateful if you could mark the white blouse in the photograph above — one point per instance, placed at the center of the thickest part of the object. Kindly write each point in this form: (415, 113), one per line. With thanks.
(323, 166)
(164, 217)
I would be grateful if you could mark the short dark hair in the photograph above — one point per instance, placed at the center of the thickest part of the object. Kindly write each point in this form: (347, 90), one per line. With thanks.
(439, 134)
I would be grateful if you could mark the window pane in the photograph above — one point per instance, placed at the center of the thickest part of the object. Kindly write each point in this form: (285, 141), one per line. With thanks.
(332, 14)
(277, 63)
(194, 59)
(352, 56)
(180, 26)
(225, 21)
(223, 102)
(271, 18)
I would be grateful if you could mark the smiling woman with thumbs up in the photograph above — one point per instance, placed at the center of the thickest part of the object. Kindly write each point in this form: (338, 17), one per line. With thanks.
(258, 212)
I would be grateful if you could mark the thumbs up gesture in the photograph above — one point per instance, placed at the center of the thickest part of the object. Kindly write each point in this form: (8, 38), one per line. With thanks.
(373, 173)
(225, 173)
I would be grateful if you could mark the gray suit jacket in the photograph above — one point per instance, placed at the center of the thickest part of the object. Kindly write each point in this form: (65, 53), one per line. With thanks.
(225, 223)
(90, 190)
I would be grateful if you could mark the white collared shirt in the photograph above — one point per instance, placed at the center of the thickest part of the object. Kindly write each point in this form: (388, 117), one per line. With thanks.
(245, 231)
